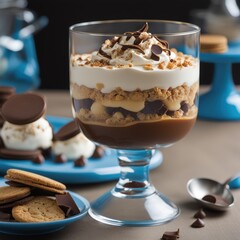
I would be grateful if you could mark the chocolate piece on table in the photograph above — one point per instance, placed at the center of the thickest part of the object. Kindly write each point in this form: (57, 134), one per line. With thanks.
(60, 158)
(200, 214)
(67, 203)
(19, 154)
(68, 131)
(170, 235)
(24, 108)
(98, 152)
(199, 223)
(80, 162)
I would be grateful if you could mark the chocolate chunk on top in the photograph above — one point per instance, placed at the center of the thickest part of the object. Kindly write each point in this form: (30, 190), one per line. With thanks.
(24, 108)
(68, 131)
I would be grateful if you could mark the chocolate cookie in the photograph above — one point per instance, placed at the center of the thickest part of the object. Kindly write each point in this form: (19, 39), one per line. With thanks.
(24, 108)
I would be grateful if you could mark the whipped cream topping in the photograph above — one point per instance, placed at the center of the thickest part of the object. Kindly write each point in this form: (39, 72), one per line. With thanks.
(74, 147)
(136, 48)
(30, 136)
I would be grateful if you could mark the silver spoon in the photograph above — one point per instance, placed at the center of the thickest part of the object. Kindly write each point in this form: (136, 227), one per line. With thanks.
(217, 195)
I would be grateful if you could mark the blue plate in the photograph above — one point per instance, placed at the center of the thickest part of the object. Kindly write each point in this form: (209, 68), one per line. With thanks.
(18, 228)
(95, 171)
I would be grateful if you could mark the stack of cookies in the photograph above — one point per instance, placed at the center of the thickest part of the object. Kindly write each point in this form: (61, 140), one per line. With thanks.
(210, 43)
(31, 197)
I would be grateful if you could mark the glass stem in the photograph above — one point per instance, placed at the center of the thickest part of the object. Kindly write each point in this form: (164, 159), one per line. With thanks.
(134, 175)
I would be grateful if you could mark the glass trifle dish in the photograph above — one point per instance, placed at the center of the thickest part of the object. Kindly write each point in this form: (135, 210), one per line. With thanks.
(134, 87)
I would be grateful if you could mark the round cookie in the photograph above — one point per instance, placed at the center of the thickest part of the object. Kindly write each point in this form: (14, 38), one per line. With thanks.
(69, 130)
(35, 180)
(24, 108)
(213, 43)
(39, 209)
(10, 194)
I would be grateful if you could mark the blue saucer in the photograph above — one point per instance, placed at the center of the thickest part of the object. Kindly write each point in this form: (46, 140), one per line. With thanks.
(18, 228)
(95, 171)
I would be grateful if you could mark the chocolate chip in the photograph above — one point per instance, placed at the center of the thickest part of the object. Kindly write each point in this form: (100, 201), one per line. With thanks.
(61, 158)
(39, 159)
(24, 108)
(80, 162)
(170, 113)
(200, 214)
(156, 50)
(209, 198)
(98, 152)
(68, 131)
(170, 235)
(153, 107)
(199, 223)
(127, 46)
(134, 184)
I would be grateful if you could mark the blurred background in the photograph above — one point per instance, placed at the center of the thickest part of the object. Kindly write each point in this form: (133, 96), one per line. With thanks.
(51, 42)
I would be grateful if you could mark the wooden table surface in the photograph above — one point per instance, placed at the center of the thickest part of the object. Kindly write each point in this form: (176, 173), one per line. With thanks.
(211, 149)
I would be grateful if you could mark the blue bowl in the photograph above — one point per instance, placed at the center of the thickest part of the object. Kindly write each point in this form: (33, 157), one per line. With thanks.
(19, 228)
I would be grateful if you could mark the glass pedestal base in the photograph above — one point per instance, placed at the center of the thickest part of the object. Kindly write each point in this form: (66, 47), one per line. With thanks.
(133, 208)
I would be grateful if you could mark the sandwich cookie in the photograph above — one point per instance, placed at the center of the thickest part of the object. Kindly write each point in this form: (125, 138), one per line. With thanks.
(35, 180)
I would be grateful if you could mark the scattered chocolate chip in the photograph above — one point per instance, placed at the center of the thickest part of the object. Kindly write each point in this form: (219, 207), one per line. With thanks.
(98, 152)
(5, 217)
(156, 49)
(80, 162)
(199, 223)
(170, 113)
(209, 198)
(24, 108)
(170, 235)
(39, 159)
(100, 51)
(200, 214)
(67, 203)
(126, 46)
(60, 158)
(68, 131)
(134, 184)
(153, 107)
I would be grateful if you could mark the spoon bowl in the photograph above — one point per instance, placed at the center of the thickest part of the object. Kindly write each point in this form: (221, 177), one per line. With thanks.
(198, 188)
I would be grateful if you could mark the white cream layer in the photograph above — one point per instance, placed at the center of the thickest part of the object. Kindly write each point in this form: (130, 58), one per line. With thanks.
(30, 136)
(74, 147)
(132, 78)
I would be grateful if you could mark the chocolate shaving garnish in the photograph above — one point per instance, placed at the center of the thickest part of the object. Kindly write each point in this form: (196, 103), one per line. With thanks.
(170, 235)
(137, 41)
(100, 51)
(200, 214)
(114, 41)
(199, 223)
(129, 35)
(66, 201)
(126, 46)
(163, 42)
(144, 28)
(5, 217)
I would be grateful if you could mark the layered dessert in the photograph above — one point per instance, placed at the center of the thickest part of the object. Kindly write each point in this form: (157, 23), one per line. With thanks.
(135, 91)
